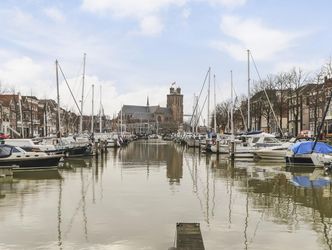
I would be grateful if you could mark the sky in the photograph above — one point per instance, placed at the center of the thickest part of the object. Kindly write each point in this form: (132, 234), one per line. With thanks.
(136, 49)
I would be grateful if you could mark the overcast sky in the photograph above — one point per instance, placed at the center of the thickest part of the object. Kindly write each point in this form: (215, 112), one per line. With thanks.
(137, 48)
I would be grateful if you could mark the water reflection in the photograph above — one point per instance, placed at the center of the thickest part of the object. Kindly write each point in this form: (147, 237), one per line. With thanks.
(37, 174)
(131, 198)
(154, 155)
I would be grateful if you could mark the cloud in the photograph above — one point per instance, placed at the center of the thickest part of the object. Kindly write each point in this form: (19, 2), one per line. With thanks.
(228, 3)
(252, 34)
(151, 26)
(111, 99)
(311, 66)
(24, 75)
(147, 12)
(55, 14)
(129, 8)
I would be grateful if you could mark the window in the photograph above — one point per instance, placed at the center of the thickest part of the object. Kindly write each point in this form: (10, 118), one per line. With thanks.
(5, 151)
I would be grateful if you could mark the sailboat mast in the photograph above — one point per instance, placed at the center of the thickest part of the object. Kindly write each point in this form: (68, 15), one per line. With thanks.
(215, 105)
(58, 98)
(232, 121)
(121, 121)
(21, 115)
(208, 104)
(100, 112)
(83, 78)
(92, 105)
(249, 123)
(232, 106)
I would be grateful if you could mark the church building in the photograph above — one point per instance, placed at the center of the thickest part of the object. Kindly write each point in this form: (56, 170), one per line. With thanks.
(154, 119)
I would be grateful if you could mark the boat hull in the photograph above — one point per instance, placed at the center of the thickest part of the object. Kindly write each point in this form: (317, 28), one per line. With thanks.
(78, 151)
(274, 155)
(301, 160)
(37, 162)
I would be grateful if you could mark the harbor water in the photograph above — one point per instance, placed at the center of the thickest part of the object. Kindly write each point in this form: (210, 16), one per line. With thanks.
(131, 198)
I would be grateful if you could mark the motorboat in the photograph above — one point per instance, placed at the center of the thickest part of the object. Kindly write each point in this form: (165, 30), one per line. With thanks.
(29, 145)
(274, 153)
(75, 146)
(16, 156)
(252, 142)
(71, 146)
(309, 153)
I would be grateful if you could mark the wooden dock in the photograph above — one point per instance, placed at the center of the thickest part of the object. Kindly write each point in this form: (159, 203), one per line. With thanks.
(189, 236)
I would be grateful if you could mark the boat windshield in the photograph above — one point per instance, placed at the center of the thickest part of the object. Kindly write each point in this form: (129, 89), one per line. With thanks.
(5, 151)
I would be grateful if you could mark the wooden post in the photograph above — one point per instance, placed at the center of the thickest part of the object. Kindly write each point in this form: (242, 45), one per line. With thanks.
(96, 148)
(189, 236)
(232, 150)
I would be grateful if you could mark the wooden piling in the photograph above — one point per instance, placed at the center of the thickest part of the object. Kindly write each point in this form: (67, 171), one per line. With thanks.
(189, 236)
(232, 150)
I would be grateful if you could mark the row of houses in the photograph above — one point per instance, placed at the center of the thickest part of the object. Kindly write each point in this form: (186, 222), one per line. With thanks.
(28, 116)
(294, 110)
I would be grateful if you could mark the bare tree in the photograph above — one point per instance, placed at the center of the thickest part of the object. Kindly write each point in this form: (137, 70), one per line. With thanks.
(222, 111)
(298, 78)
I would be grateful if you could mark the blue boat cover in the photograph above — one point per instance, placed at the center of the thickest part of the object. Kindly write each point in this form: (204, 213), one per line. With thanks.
(304, 181)
(305, 147)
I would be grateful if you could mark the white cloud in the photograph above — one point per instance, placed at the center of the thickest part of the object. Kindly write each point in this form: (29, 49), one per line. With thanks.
(112, 100)
(151, 25)
(252, 34)
(147, 12)
(24, 75)
(55, 14)
(311, 66)
(228, 3)
(129, 8)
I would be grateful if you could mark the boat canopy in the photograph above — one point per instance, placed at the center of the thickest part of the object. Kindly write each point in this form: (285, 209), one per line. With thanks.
(305, 147)
(304, 181)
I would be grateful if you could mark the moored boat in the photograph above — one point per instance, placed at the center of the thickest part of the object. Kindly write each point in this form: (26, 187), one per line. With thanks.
(309, 153)
(16, 156)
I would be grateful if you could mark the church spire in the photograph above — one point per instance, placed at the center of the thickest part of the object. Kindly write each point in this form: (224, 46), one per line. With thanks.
(147, 104)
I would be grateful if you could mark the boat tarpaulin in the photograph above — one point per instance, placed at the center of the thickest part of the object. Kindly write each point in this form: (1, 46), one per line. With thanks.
(304, 181)
(305, 147)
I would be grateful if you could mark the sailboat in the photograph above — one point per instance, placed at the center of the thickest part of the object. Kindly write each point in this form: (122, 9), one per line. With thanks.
(72, 146)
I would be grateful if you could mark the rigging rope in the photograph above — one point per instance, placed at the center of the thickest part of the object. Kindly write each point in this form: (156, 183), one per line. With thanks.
(267, 97)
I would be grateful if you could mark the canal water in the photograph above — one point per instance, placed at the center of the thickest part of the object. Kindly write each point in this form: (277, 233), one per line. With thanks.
(132, 198)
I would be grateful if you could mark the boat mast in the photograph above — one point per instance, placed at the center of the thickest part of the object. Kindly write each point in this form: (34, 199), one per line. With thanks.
(100, 107)
(232, 104)
(208, 105)
(121, 122)
(93, 95)
(249, 122)
(58, 98)
(45, 118)
(21, 115)
(215, 106)
(232, 121)
(319, 130)
(83, 78)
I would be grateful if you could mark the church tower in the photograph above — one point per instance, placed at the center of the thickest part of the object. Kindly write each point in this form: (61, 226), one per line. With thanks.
(175, 103)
